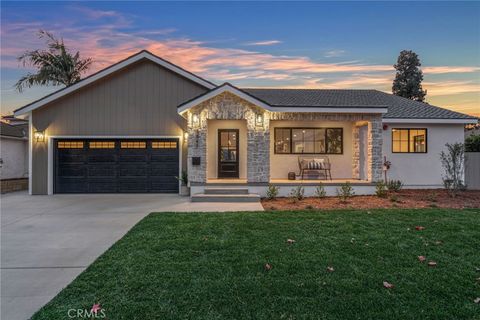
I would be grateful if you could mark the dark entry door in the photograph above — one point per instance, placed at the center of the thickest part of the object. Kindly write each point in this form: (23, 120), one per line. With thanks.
(116, 165)
(228, 141)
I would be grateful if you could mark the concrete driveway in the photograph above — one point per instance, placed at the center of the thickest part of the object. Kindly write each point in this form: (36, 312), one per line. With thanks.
(46, 241)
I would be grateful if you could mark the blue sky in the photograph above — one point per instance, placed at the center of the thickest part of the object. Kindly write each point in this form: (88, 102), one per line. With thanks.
(266, 44)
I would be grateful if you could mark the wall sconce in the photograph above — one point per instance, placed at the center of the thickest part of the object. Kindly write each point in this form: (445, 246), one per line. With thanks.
(39, 136)
(259, 119)
(185, 136)
(195, 120)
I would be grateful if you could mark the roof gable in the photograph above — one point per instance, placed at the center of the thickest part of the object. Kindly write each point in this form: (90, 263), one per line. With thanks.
(109, 70)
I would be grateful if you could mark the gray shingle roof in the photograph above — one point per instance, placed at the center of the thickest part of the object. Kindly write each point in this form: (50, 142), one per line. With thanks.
(398, 107)
(18, 131)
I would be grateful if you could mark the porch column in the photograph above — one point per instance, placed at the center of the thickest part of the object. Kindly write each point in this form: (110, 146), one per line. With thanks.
(375, 140)
(197, 147)
(258, 149)
(356, 151)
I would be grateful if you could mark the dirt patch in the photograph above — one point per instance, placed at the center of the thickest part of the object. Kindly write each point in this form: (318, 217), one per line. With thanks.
(430, 198)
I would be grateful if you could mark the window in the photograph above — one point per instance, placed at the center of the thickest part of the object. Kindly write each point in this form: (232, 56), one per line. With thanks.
(70, 144)
(101, 144)
(164, 145)
(409, 140)
(309, 140)
(133, 144)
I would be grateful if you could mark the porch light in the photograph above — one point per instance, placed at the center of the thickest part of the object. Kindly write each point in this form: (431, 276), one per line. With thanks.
(259, 119)
(39, 136)
(195, 120)
(185, 136)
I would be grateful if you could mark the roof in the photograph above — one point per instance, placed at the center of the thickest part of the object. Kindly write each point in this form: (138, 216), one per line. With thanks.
(398, 107)
(18, 131)
(285, 100)
(109, 70)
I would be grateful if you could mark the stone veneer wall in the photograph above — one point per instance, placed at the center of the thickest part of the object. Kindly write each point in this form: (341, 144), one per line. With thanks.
(227, 106)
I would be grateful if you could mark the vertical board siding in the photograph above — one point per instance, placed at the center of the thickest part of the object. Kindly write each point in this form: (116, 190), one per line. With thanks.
(472, 170)
(140, 100)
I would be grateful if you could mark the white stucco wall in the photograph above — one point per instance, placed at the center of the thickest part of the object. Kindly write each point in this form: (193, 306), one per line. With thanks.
(282, 164)
(421, 169)
(14, 153)
(212, 145)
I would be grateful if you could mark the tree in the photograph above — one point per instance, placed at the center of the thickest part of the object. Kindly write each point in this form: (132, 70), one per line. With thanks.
(472, 143)
(55, 65)
(408, 79)
(453, 161)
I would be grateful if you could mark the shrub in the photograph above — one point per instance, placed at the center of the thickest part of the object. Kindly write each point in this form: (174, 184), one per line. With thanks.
(345, 192)
(394, 198)
(297, 194)
(432, 196)
(453, 163)
(394, 185)
(272, 191)
(472, 143)
(184, 178)
(320, 191)
(309, 207)
(381, 189)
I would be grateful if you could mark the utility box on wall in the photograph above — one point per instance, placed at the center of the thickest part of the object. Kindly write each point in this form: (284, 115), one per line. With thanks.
(196, 161)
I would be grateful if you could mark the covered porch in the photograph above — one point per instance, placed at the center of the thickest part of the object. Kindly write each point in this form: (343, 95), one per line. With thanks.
(236, 141)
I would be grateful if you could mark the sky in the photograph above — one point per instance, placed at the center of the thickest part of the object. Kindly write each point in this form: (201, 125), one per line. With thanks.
(342, 45)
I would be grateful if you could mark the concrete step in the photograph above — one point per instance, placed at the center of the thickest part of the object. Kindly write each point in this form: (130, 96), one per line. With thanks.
(202, 197)
(226, 191)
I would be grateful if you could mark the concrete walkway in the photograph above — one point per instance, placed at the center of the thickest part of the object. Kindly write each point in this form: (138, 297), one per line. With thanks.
(46, 241)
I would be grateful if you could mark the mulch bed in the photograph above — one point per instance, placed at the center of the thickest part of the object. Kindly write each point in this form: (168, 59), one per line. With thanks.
(427, 198)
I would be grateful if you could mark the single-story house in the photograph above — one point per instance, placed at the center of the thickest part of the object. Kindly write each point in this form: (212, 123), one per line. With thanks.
(13, 155)
(136, 125)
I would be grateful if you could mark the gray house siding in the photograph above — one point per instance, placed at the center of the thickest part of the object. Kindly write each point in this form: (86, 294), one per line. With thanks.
(139, 100)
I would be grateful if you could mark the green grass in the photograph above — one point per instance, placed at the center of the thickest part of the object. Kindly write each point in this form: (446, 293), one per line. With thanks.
(210, 266)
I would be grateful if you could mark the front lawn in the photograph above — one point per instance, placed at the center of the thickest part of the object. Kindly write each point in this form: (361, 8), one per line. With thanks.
(212, 266)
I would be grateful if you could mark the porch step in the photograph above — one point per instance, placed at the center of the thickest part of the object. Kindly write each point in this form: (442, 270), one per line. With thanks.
(226, 191)
(205, 197)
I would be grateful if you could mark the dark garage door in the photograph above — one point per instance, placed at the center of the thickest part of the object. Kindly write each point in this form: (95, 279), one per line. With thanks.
(116, 165)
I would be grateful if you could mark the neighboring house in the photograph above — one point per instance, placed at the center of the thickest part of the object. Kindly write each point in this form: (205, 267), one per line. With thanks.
(133, 127)
(13, 155)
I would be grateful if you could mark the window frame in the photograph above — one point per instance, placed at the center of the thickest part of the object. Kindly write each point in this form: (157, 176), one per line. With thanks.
(306, 128)
(408, 140)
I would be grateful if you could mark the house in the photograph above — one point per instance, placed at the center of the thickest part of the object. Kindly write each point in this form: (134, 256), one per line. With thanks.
(13, 154)
(134, 126)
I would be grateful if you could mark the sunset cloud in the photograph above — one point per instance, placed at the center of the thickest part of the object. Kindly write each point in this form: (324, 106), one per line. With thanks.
(113, 39)
(263, 43)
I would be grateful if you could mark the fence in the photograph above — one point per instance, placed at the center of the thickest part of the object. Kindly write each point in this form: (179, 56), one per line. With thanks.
(472, 170)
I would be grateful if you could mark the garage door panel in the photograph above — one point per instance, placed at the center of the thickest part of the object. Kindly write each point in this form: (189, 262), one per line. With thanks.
(133, 185)
(72, 171)
(102, 186)
(116, 165)
(103, 157)
(102, 170)
(133, 171)
(66, 157)
(72, 185)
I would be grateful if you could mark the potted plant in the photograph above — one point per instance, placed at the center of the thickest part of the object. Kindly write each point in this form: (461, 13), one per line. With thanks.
(184, 188)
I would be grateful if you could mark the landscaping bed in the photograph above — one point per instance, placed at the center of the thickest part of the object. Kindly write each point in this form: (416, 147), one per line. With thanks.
(342, 264)
(423, 198)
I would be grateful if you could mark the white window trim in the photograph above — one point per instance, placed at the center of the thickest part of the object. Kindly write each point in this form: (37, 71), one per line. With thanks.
(51, 150)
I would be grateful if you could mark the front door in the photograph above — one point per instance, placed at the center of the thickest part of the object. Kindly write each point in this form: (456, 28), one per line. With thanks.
(228, 153)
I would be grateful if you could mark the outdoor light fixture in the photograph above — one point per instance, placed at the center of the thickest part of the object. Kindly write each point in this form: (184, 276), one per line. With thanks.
(185, 136)
(195, 120)
(39, 136)
(259, 119)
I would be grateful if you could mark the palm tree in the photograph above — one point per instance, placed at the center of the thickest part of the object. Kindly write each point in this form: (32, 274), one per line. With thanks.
(55, 65)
